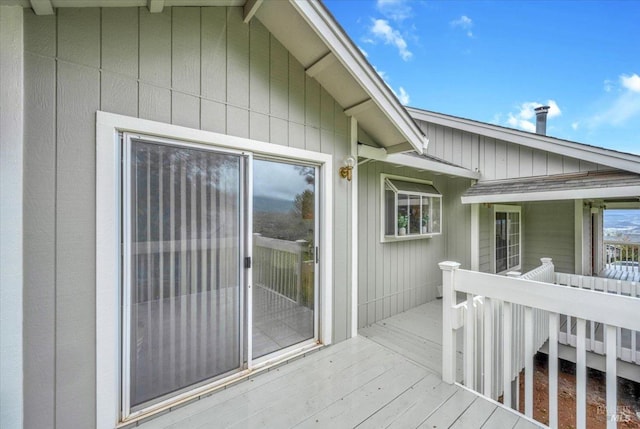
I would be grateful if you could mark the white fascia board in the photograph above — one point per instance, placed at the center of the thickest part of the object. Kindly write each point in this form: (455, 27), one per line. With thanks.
(351, 58)
(598, 155)
(569, 194)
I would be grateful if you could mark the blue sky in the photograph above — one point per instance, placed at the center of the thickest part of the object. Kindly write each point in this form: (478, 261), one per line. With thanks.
(493, 61)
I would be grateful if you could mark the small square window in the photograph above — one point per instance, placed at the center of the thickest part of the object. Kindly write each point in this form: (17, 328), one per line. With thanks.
(412, 209)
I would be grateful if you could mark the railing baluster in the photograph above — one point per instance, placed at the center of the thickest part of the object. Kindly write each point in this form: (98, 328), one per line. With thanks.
(488, 346)
(469, 337)
(612, 403)
(528, 357)
(506, 348)
(554, 324)
(581, 374)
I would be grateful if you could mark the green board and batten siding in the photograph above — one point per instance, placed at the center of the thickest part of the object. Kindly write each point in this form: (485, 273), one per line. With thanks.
(396, 276)
(196, 67)
(497, 159)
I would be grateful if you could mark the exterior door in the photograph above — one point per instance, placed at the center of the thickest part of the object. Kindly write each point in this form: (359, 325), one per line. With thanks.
(183, 285)
(284, 248)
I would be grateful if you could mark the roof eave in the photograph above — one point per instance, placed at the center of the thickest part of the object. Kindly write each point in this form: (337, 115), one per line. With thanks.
(567, 194)
(350, 57)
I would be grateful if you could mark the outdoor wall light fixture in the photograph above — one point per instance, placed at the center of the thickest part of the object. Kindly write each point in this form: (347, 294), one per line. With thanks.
(345, 171)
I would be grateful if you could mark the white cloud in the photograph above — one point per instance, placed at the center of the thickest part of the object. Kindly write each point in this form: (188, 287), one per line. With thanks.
(404, 97)
(524, 118)
(632, 83)
(608, 85)
(396, 10)
(575, 125)
(390, 36)
(623, 107)
(465, 23)
(366, 55)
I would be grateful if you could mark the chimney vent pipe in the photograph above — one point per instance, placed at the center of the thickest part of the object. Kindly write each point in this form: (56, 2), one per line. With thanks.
(541, 119)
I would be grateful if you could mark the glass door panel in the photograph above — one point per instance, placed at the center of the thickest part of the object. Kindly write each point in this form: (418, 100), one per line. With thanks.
(183, 280)
(284, 235)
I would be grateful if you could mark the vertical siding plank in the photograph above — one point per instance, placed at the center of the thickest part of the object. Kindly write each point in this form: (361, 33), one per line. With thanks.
(259, 127)
(213, 116)
(120, 41)
(456, 143)
(513, 160)
(39, 34)
(279, 79)
(213, 58)
(570, 165)
(467, 150)
(526, 161)
(501, 160)
(79, 36)
(118, 94)
(185, 49)
(237, 122)
(154, 103)
(39, 225)
(78, 97)
(259, 61)
(185, 110)
(155, 47)
(554, 163)
(237, 60)
(296, 90)
(312, 102)
(279, 131)
(539, 163)
(490, 158)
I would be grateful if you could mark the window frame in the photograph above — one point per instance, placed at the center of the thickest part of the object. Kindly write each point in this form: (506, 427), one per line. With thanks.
(384, 237)
(109, 270)
(507, 209)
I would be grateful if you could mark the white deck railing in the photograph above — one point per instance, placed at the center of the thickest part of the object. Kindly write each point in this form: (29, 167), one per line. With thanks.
(628, 341)
(621, 255)
(280, 266)
(611, 310)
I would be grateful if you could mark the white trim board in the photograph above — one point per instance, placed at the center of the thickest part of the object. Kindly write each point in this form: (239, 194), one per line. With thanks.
(573, 194)
(108, 209)
(598, 155)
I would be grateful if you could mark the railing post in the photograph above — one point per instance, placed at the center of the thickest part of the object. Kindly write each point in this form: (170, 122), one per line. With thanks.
(299, 282)
(448, 333)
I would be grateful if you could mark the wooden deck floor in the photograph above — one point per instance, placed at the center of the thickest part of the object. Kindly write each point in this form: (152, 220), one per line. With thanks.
(387, 377)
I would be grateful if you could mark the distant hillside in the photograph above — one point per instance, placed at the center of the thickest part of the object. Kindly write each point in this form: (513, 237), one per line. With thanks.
(272, 205)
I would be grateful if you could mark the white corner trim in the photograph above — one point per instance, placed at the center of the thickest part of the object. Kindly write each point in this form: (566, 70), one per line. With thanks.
(11, 216)
(250, 8)
(347, 53)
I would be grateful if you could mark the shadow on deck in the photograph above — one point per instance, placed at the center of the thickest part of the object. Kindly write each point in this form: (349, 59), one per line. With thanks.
(388, 376)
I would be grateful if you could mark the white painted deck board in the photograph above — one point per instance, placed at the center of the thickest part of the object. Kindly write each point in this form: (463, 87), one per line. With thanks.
(360, 382)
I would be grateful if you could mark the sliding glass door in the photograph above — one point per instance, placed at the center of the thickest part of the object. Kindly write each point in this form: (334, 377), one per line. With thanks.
(195, 310)
(284, 246)
(183, 286)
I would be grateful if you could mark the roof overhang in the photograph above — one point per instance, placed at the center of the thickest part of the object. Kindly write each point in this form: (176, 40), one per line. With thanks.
(420, 162)
(594, 154)
(601, 185)
(311, 34)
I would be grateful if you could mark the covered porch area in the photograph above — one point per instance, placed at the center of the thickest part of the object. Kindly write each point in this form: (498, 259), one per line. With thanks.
(387, 376)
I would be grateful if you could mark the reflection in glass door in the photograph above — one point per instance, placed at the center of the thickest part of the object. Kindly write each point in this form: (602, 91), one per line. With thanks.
(183, 283)
(284, 245)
